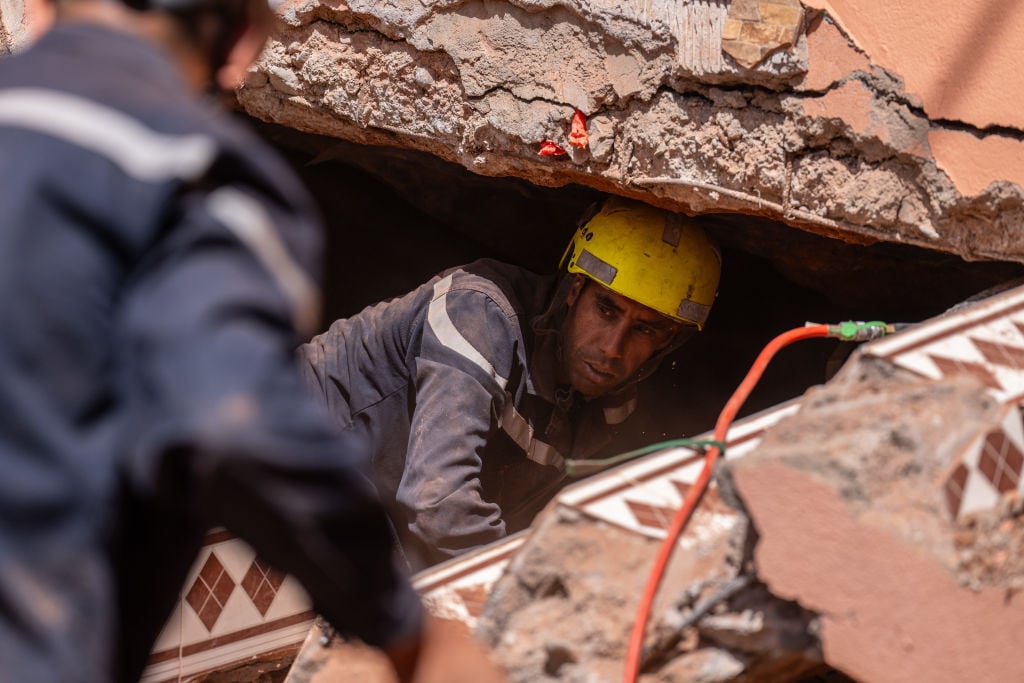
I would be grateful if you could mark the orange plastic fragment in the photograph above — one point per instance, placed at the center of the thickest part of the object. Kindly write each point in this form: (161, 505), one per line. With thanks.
(548, 149)
(578, 135)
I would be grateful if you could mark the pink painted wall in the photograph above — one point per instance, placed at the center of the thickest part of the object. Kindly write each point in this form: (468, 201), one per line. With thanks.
(963, 60)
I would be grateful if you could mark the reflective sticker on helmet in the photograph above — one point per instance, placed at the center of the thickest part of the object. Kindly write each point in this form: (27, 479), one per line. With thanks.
(673, 231)
(691, 310)
(596, 268)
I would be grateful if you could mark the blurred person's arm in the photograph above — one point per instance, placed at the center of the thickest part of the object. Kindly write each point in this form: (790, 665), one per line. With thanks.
(227, 435)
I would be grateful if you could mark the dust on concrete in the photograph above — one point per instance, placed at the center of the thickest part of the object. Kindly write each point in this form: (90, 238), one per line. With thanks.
(565, 607)
(673, 123)
(990, 548)
(881, 431)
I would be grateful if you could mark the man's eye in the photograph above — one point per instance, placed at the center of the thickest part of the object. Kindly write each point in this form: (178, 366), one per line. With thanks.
(605, 311)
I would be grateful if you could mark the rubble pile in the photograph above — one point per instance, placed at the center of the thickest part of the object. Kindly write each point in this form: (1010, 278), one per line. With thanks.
(843, 546)
(841, 559)
(564, 608)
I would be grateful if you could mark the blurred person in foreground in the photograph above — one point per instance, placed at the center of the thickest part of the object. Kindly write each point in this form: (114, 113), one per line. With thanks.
(154, 280)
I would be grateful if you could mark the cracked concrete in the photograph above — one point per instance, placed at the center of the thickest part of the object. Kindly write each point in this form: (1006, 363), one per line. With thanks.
(815, 134)
(21, 21)
(862, 512)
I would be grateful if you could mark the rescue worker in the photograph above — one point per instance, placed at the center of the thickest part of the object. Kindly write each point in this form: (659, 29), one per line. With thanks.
(154, 269)
(475, 387)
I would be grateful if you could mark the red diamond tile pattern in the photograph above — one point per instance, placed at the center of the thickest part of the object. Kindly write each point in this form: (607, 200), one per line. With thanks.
(1000, 354)
(261, 583)
(952, 366)
(1001, 462)
(653, 516)
(210, 591)
(474, 597)
(711, 501)
(954, 489)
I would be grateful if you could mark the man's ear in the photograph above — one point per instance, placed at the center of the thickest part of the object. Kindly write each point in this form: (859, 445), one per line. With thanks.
(574, 289)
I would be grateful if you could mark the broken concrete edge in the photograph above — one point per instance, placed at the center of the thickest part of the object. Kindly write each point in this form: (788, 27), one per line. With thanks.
(874, 595)
(930, 426)
(674, 193)
(577, 580)
(21, 22)
(842, 533)
(870, 178)
(559, 579)
(13, 27)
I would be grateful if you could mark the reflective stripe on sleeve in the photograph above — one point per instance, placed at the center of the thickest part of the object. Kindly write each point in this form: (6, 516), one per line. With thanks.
(248, 220)
(446, 332)
(618, 414)
(139, 151)
(521, 431)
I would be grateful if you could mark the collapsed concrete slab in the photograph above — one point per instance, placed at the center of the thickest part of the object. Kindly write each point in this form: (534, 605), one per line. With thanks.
(893, 494)
(852, 523)
(562, 611)
(759, 108)
(886, 523)
(565, 607)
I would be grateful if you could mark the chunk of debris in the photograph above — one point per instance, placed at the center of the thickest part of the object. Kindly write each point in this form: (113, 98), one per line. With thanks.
(755, 29)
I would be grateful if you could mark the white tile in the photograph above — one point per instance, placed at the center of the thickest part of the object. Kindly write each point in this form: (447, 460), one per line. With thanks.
(236, 555)
(170, 636)
(192, 629)
(239, 613)
(291, 599)
(979, 494)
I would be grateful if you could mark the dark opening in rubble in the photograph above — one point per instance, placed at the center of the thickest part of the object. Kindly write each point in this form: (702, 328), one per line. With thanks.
(395, 217)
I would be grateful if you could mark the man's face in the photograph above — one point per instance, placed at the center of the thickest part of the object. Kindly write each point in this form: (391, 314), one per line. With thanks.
(607, 337)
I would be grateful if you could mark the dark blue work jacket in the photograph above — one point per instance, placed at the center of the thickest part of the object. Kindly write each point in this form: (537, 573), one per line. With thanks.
(154, 269)
(454, 386)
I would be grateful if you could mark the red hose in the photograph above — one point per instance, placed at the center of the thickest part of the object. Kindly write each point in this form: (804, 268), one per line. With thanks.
(693, 496)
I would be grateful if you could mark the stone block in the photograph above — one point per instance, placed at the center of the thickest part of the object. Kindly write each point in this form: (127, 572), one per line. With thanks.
(781, 15)
(731, 29)
(765, 35)
(746, 54)
(753, 30)
(744, 10)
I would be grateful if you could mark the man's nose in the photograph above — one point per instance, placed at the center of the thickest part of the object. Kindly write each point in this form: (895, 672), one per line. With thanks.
(613, 341)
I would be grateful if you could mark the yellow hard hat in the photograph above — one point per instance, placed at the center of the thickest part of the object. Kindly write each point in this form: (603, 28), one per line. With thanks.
(660, 259)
